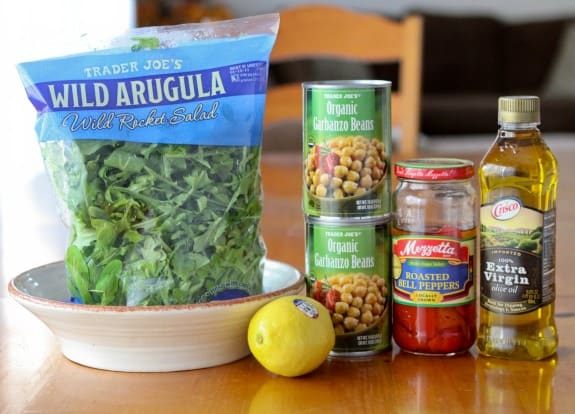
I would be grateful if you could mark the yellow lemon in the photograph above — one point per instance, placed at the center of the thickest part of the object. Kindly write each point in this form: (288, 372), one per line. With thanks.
(291, 335)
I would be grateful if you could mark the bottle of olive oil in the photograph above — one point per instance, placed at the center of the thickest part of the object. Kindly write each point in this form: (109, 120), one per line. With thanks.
(518, 187)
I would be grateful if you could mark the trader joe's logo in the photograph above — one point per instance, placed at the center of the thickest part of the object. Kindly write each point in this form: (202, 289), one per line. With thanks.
(506, 209)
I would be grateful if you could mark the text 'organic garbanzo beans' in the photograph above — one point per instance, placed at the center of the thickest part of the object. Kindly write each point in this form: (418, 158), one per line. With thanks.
(346, 148)
(348, 270)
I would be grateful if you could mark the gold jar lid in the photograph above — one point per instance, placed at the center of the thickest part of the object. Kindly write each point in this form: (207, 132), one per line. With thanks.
(519, 109)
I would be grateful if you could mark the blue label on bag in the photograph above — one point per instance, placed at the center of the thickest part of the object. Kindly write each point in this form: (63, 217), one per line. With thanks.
(152, 96)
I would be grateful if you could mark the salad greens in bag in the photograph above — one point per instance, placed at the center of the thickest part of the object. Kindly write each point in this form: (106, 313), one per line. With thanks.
(153, 146)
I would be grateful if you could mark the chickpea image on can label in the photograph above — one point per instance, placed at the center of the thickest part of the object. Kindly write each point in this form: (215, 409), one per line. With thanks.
(345, 167)
(356, 301)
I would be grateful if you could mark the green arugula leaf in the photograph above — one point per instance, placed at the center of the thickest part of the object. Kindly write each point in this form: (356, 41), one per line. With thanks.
(158, 224)
(79, 273)
(109, 282)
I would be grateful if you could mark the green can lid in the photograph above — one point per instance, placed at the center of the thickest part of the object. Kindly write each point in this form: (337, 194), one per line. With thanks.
(434, 169)
(518, 110)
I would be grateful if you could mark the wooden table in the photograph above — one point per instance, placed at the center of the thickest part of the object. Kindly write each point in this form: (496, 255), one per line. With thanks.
(36, 378)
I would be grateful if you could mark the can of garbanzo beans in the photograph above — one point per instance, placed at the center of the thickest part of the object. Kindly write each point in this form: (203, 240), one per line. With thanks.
(347, 148)
(348, 269)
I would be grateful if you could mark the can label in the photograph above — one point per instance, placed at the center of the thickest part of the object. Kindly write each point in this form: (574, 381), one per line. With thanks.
(347, 148)
(348, 268)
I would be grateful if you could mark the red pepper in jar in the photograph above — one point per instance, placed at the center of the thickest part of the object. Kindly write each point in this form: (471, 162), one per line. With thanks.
(433, 246)
(435, 330)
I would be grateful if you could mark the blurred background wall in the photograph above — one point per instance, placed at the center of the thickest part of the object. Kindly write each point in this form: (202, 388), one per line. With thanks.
(175, 11)
(512, 10)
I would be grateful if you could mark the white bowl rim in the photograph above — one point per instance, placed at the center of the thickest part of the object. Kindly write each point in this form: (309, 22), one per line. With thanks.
(24, 297)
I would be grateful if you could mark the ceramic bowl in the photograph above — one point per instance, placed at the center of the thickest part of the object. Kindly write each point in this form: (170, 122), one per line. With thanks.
(148, 339)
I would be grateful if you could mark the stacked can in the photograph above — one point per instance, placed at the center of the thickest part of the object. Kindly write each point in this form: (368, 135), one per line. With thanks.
(347, 209)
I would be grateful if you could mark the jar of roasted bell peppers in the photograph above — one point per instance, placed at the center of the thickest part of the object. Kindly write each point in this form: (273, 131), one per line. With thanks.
(433, 236)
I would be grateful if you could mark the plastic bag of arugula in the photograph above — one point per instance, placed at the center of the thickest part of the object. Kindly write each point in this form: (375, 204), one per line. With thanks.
(153, 146)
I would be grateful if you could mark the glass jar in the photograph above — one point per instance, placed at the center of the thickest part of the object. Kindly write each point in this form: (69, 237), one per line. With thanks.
(434, 242)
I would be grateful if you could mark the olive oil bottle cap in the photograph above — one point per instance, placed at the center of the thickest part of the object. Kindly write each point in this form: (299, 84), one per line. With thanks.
(519, 109)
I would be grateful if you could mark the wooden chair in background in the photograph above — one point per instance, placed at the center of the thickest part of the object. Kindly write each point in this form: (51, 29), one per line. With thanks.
(320, 31)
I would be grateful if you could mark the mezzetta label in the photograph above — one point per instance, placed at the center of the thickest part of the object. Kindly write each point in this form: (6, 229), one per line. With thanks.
(434, 271)
(432, 248)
